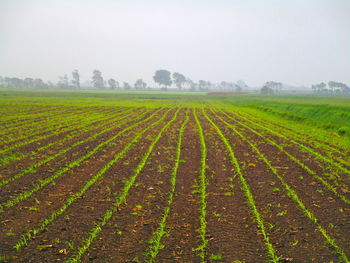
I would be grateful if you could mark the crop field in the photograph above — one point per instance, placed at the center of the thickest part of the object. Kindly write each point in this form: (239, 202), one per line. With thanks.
(157, 177)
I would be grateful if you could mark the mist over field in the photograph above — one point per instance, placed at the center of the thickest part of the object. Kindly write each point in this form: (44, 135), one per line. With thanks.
(298, 43)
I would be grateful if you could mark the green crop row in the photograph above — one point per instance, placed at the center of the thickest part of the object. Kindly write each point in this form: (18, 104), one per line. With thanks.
(291, 193)
(246, 189)
(41, 183)
(291, 133)
(302, 146)
(155, 241)
(300, 163)
(203, 192)
(32, 168)
(94, 232)
(29, 235)
(91, 124)
(41, 126)
(53, 130)
(29, 117)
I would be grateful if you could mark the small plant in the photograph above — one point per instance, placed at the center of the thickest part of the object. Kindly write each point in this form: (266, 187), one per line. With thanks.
(215, 257)
(33, 208)
(276, 190)
(70, 245)
(10, 233)
(284, 212)
(117, 230)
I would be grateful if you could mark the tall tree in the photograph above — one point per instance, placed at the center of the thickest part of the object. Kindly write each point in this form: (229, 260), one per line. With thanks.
(112, 83)
(242, 85)
(140, 84)
(97, 80)
(28, 83)
(63, 82)
(266, 90)
(338, 87)
(179, 80)
(202, 85)
(76, 79)
(162, 77)
(126, 86)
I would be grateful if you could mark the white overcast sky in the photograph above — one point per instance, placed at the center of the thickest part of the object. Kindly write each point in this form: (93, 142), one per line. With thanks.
(297, 42)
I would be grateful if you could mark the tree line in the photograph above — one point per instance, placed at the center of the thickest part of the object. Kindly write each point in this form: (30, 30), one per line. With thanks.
(164, 79)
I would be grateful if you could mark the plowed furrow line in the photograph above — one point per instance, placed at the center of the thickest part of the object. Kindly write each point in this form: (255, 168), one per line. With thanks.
(290, 233)
(48, 125)
(138, 217)
(65, 126)
(302, 136)
(292, 193)
(271, 253)
(120, 198)
(71, 190)
(231, 231)
(156, 240)
(30, 118)
(41, 183)
(31, 169)
(84, 129)
(202, 190)
(301, 145)
(328, 185)
(288, 131)
(183, 219)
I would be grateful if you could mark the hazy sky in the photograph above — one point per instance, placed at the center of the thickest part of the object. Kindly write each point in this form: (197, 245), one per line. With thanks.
(298, 42)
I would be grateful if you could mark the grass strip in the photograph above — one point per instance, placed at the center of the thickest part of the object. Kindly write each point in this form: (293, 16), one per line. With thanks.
(301, 146)
(294, 134)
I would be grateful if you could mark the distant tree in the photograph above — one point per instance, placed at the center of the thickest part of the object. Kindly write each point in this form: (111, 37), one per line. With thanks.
(223, 85)
(338, 87)
(191, 84)
(238, 88)
(76, 79)
(276, 86)
(28, 83)
(63, 82)
(202, 85)
(126, 86)
(162, 77)
(242, 85)
(97, 80)
(266, 90)
(140, 84)
(179, 80)
(318, 88)
(112, 83)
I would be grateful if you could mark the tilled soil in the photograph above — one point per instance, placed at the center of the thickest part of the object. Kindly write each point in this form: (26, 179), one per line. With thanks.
(232, 231)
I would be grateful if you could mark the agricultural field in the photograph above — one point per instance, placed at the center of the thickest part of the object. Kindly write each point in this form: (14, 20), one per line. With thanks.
(170, 177)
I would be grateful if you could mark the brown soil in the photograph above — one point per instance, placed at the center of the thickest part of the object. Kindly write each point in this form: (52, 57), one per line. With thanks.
(232, 232)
